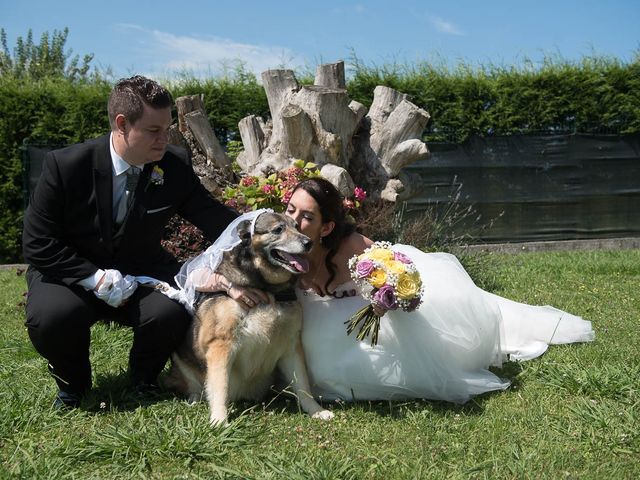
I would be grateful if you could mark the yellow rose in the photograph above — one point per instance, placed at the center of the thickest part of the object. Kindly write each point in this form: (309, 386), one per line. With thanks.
(394, 266)
(408, 285)
(380, 254)
(377, 278)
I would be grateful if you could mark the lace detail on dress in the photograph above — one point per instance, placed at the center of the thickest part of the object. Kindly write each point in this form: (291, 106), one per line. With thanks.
(347, 289)
(344, 290)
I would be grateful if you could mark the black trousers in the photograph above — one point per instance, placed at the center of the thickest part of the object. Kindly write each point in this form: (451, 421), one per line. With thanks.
(59, 318)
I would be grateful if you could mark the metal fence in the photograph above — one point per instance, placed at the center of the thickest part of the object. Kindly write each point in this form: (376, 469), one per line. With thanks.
(32, 162)
(535, 187)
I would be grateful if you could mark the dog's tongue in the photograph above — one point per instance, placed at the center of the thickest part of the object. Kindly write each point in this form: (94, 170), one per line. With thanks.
(299, 263)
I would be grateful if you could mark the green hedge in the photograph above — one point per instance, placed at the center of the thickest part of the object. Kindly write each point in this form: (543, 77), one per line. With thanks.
(52, 111)
(597, 94)
(591, 95)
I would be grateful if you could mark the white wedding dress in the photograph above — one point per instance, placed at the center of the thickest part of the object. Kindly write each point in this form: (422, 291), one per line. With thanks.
(441, 351)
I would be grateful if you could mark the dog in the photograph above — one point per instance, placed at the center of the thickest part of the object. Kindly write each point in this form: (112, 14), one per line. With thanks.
(230, 353)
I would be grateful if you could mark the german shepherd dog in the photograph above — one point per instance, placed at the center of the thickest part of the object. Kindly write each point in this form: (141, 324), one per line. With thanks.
(230, 353)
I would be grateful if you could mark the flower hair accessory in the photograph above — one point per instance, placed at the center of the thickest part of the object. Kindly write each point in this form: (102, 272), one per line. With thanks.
(385, 278)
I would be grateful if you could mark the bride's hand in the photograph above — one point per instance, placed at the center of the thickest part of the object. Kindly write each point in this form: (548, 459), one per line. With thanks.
(248, 298)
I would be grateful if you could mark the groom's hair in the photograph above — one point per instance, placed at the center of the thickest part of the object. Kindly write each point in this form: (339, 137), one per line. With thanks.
(130, 94)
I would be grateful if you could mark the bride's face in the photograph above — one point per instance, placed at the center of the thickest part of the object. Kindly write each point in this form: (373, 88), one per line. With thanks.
(306, 212)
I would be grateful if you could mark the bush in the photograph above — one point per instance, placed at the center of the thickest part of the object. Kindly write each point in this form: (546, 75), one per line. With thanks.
(273, 191)
(183, 240)
(53, 111)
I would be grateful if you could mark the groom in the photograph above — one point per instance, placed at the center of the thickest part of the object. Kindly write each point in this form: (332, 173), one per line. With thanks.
(96, 216)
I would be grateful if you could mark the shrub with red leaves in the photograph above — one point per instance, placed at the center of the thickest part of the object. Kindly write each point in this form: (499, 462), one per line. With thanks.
(183, 239)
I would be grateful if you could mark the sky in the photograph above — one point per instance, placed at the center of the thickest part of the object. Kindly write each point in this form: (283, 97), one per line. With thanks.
(164, 39)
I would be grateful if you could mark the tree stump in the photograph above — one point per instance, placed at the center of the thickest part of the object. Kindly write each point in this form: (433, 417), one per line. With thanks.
(320, 124)
(210, 162)
(193, 117)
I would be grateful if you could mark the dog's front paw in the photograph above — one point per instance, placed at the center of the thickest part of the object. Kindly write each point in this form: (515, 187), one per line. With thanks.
(323, 415)
(218, 416)
(218, 421)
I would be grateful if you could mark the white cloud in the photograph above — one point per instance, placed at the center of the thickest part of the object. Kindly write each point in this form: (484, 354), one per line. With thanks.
(445, 27)
(357, 8)
(205, 55)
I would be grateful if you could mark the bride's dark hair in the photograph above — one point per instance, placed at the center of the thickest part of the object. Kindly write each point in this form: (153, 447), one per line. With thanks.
(329, 200)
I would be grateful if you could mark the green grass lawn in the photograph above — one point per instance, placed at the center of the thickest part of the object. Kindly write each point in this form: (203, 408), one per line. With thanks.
(573, 413)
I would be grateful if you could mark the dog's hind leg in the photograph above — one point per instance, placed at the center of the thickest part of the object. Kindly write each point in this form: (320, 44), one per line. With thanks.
(218, 360)
(294, 369)
(186, 379)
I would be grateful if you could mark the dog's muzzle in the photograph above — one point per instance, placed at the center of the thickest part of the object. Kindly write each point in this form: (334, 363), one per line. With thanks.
(295, 263)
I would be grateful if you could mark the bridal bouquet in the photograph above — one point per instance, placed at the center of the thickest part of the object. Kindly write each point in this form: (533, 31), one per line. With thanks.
(386, 278)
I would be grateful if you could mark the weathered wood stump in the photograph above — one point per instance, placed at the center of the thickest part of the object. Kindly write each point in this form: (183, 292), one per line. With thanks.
(210, 162)
(319, 123)
(193, 117)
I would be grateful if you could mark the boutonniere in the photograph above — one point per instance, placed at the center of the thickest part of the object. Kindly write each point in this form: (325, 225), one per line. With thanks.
(157, 175)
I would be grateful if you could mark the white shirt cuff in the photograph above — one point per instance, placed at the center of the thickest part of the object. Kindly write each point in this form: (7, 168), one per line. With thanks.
(90, 283)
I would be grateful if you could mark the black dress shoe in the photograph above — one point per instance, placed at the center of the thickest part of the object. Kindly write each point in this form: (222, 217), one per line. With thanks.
(66, 400)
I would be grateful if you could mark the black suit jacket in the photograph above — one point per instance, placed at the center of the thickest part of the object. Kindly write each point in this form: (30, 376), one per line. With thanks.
(68, 230)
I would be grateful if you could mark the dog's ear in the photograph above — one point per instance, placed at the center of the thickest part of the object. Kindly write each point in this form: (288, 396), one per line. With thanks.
(244, 231)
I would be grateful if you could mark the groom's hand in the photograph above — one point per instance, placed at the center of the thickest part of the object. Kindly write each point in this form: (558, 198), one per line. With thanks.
(114, 289)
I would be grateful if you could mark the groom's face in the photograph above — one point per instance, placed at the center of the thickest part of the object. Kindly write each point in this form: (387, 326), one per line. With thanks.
(145, 140)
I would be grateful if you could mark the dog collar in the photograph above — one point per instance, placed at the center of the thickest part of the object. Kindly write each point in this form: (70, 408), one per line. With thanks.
(286, 295)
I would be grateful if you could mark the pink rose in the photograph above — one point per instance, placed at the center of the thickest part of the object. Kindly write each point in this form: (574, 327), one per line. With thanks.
(386, 298)
(359, 194)
(268, 189)
(401, 257)
(364, 268)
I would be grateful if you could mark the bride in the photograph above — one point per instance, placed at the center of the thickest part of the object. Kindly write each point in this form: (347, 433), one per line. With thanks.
(441, 351)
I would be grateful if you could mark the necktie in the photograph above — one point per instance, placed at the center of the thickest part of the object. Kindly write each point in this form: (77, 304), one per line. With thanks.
(133, 175)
